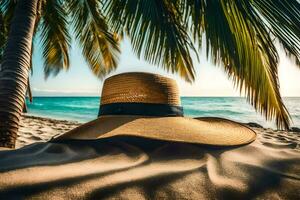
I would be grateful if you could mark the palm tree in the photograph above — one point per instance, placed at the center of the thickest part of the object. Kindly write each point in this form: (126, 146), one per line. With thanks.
(49, 18)
(240, 37)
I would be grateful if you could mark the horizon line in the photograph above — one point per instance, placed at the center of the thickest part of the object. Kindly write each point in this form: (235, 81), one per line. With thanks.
(180, 96)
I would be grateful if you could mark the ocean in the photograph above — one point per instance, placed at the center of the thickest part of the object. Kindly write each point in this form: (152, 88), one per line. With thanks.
(84, 109)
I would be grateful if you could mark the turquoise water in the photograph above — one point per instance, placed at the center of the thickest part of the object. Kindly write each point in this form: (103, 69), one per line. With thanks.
(84, 109)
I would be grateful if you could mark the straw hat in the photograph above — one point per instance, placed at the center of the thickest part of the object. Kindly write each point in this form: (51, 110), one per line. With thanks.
(148, 105)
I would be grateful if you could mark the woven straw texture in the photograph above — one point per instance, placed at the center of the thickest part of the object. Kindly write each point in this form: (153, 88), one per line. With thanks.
(140, 87)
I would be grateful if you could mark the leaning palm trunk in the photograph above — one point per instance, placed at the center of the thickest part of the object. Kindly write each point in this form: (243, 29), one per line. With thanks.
(15, 69)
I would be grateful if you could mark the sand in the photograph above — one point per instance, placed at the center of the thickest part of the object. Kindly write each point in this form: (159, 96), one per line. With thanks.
(38, 129)
(135, 168)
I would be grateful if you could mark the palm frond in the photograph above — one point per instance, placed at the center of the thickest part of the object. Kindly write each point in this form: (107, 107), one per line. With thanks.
(36, 29)
(100, 46)
(3, 34)
(237, 39)
(54, 36)
(283, 19)
(156, 31)
(6, 12)
(193, 15)
(7, 7)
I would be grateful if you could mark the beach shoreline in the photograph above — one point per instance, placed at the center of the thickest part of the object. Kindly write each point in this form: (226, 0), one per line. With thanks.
(85, 109)
(41, 129)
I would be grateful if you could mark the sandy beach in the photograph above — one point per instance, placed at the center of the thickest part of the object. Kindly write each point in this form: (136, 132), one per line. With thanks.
(120, 168)
(39, 129)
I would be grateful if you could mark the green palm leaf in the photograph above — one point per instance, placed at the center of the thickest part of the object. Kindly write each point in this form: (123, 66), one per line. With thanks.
(283, 19)
(238, 39)
(55, 37)
(6, 9)
(156, 31)
(100, 47)
(3, 34)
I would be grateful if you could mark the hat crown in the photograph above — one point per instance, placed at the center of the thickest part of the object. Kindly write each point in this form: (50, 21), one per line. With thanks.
(139, 87)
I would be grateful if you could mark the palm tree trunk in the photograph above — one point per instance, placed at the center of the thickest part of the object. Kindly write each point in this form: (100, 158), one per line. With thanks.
(15, 69)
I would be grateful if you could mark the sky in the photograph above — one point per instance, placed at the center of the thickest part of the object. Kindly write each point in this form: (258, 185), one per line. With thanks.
(210, 80)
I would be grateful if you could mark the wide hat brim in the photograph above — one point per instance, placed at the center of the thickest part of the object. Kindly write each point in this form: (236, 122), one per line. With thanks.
(203, 130)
